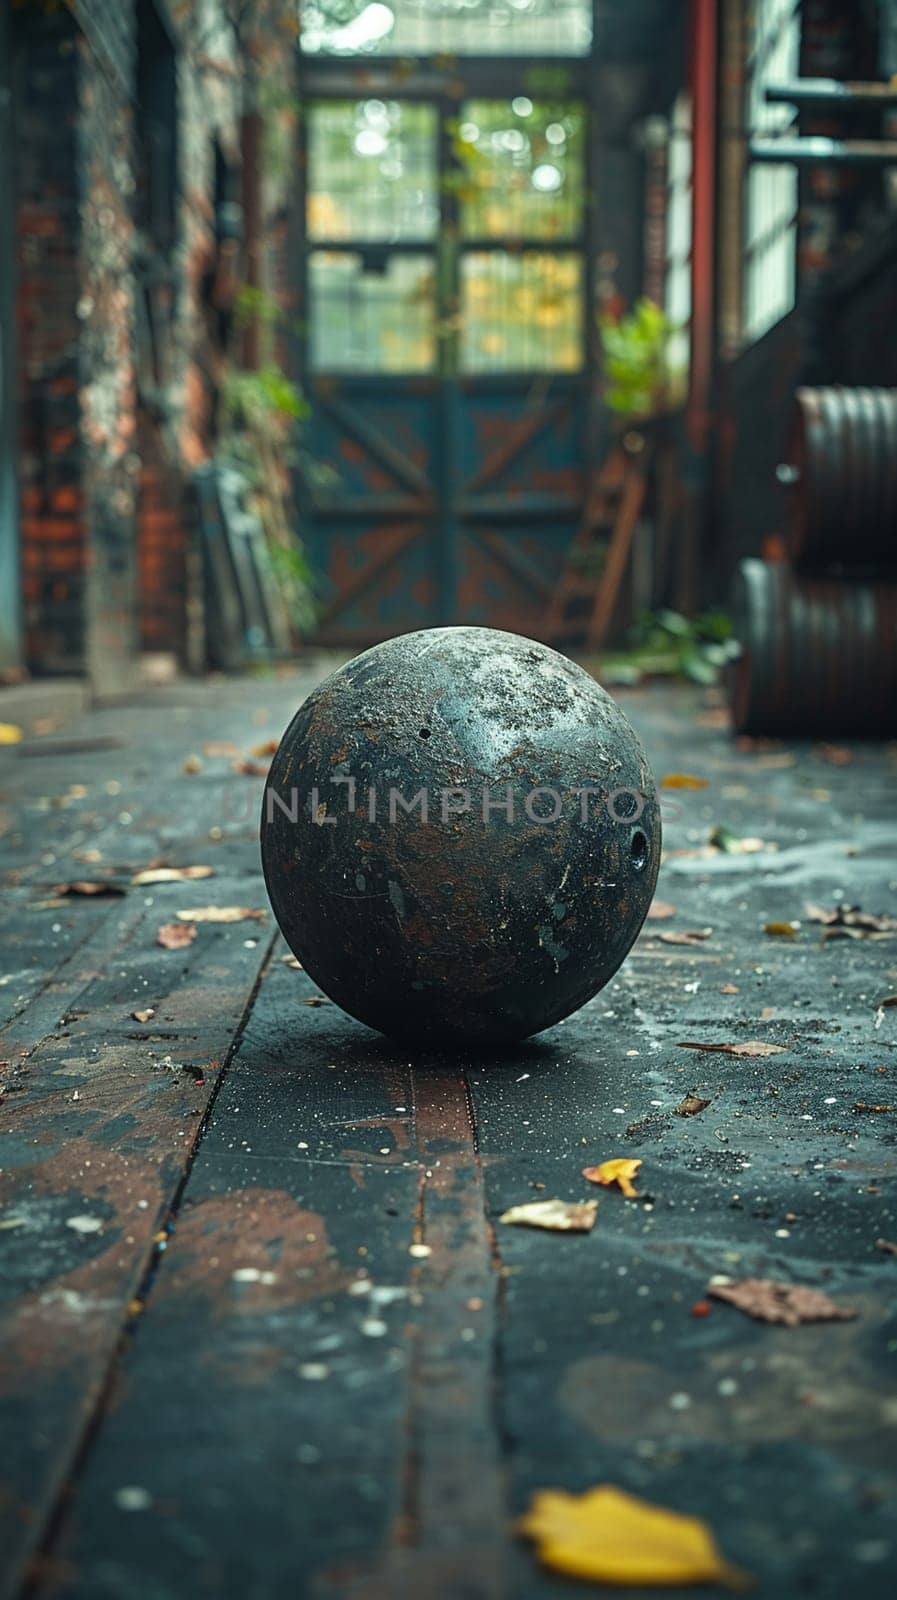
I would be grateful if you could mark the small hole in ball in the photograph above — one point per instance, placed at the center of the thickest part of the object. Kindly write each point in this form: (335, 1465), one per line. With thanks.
(638, 849)
(423, 733)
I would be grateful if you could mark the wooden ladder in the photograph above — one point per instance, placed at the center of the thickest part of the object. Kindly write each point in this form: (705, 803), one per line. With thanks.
(583, 601)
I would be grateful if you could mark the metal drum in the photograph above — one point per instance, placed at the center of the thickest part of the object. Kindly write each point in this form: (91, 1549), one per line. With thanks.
(841, 479)
(819, 655)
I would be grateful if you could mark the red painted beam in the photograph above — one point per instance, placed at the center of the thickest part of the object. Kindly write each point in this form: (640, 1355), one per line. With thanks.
(703, 46)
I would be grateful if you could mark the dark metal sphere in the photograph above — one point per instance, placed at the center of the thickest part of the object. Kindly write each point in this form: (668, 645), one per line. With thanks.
(430, 852)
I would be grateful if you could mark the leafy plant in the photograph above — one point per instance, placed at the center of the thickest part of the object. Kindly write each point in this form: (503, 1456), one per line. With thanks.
(261, 414)
(666, 644)
(635, 359)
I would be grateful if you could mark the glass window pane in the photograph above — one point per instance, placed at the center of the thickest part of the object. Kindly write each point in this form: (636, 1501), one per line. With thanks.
(521, 312)
(371, 320)
(454, 27)
(372, 171)
(521, 168)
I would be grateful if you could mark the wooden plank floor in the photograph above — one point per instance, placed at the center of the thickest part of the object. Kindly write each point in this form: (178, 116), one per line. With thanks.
(263, 1334)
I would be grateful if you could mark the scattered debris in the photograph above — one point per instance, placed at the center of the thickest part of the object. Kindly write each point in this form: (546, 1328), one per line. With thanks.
(620, 1171)
(84, 1224)
(560, 1216)
(691, 1105)
(686, 936)
(608, 1536)
(82, 887)
(174, 935)
(251, 769)
(861, 1105)
(731, 845)
(787, 1303)
(191, 766)
(745, 1047)
(887, 1245)
(660, 910)
(144, 1016)
(291, 961)
(782, 930)
(170, 875)
(850, 922)
(316, 1000)
(220, 747)
(268, 747)
(683, 780)
(729, 988)
(221, 914)
(701, 1308)
(835, 754)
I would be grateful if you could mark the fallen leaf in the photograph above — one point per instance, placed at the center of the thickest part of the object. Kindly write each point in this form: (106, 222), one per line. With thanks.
(10, 733)
(191, 766)
(269, 747)
(174, 935)
(861, 1105)
(884, 1005)
(850, 922)
(777, 761)
(683, 780)
(250, 769)
(686, 936)
(81, 887)
(291, 961)
(787, 1303)
(782, 930)
(148, 1013)
(220, 747)
(835, 755)
(316, 1000)
(659, 910)
(691, 1105)
(731, 845)
(221, 914)
(619, 1171)
(889, 1248)
(746, 1047)
(729, 988)
(608, 1536)
(170, 875)
(560, 1216)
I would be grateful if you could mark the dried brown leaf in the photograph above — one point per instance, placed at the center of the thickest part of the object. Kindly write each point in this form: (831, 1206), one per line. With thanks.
(686, 936)
(782, 930)
(691, 1105)
(786, 1303)
(683, 780)
(886, 1245)
(268, 747)
(660, 910)
(170, 875)
(251, 769)
(221, 914)
(146, 1015)
(174, 935)
(83, 887)
(559, 1216)
(745, 1047)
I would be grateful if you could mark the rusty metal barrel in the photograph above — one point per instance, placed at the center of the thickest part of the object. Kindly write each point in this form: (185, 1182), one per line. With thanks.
(819, 654)
(841, 479)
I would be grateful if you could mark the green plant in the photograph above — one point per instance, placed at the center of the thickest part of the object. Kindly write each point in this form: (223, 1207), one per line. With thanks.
(261, 414)
(666, 644)
(635, 350)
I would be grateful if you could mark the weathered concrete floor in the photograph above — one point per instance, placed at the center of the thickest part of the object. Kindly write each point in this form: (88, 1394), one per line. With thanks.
(224, 1374)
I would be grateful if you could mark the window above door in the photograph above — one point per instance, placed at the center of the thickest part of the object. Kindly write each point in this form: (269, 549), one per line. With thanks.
(453, 27)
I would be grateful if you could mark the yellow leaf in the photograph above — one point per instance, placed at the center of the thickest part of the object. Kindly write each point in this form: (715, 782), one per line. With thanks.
(781, 930)
(607, 1536)
(683, 780)
(10, 733)
(619, 1171)
(559, 1216)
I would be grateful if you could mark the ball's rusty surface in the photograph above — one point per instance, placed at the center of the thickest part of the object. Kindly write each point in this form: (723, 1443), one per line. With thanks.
(460, 836)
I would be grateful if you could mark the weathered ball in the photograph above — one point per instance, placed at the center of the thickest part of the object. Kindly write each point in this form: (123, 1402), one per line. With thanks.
(460, 836)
